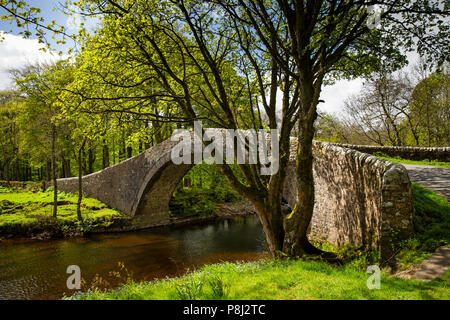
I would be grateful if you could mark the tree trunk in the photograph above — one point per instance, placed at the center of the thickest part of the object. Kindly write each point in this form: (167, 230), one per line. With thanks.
(272, 223)
(122, 150)
(91, 159)
(66, 167)
(80, 182)
(105, 155)
(6, 170)
(48, 170)
(55, 185)
(297, 222)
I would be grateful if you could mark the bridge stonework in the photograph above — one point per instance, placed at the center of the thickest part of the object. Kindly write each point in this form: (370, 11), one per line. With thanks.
(359, 199)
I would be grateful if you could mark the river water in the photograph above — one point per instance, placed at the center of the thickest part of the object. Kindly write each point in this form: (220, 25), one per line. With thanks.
(31, 269)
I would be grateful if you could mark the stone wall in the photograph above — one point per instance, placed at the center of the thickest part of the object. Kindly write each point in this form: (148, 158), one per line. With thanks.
(411, 153)
(359, 199)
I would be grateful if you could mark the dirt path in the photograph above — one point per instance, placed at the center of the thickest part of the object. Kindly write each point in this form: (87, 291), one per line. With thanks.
(435, 266)
(433, 178)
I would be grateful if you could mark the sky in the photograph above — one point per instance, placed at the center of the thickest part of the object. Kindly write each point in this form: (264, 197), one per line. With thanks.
(15, 52)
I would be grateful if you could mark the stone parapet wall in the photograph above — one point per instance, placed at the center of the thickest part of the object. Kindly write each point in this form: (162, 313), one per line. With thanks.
(410, 153)
(359, 199)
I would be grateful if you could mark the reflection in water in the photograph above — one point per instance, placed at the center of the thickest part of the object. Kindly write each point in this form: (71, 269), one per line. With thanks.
(37, 269)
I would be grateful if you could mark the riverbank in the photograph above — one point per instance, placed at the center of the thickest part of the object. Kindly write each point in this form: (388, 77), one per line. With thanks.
(272, 279)
(29, 214)
(26, 212)
(302, 279)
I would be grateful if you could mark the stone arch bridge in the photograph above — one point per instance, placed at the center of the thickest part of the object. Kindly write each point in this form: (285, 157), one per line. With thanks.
(360, 199)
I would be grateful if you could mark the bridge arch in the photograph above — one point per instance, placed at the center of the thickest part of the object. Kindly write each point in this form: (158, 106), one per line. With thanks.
(360, 199)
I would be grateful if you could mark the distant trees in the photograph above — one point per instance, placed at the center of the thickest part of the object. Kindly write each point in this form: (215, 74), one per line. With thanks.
(392, 110)
(41, 119)
(429, 111)
(9, 135)
(380, 109)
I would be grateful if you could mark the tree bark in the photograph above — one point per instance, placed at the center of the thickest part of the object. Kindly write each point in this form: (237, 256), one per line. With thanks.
(297, 222)
(55, 184)
(80, 181)
(91, 159)
(105, 155)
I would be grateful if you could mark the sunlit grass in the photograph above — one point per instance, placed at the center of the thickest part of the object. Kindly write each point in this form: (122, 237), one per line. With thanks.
(22, 211)
(271, 279)
(431, 224)
(423, 162)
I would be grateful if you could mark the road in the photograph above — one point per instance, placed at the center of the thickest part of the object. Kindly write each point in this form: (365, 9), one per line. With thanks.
(433, 178)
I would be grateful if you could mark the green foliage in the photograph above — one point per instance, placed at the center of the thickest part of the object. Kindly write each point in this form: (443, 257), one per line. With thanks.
(425, 162)
(201, 188)
(358, 258)
(26, 213)
(30, 21)
(429, 110)
(275, 279)
(432, 226)
(220, 290)
(192, 202)
(190, 288)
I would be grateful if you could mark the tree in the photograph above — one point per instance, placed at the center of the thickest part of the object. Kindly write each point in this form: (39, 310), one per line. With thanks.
(382, 109)
(10, 108)
(430, 110)
(211, 60)
(329, 128)
(42, 87)
(331, 39)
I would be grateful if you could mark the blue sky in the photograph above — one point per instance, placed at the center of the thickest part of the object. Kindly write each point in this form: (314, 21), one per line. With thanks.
(48, 12)
(16, 52)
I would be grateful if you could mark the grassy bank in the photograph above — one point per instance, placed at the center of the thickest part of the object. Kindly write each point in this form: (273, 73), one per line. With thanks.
(30, 213)
(302, 279)
(406, 161)
(431, 224)
(288, 279)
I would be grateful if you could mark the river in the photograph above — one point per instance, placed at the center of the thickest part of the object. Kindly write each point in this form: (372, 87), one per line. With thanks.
(32, 269)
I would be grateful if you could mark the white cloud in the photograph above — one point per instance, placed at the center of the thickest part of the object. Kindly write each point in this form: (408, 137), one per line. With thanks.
(335, 95)
(15, 52)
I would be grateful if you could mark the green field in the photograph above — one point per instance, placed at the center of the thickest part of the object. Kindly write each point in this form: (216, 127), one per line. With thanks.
(24, 213)
(423, 162)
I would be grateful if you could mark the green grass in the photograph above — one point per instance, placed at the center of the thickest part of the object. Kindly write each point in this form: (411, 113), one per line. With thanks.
(201, 202)
(192, 202)
(274, 279)
(432, 227)
(24, 213)
(423, 162)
